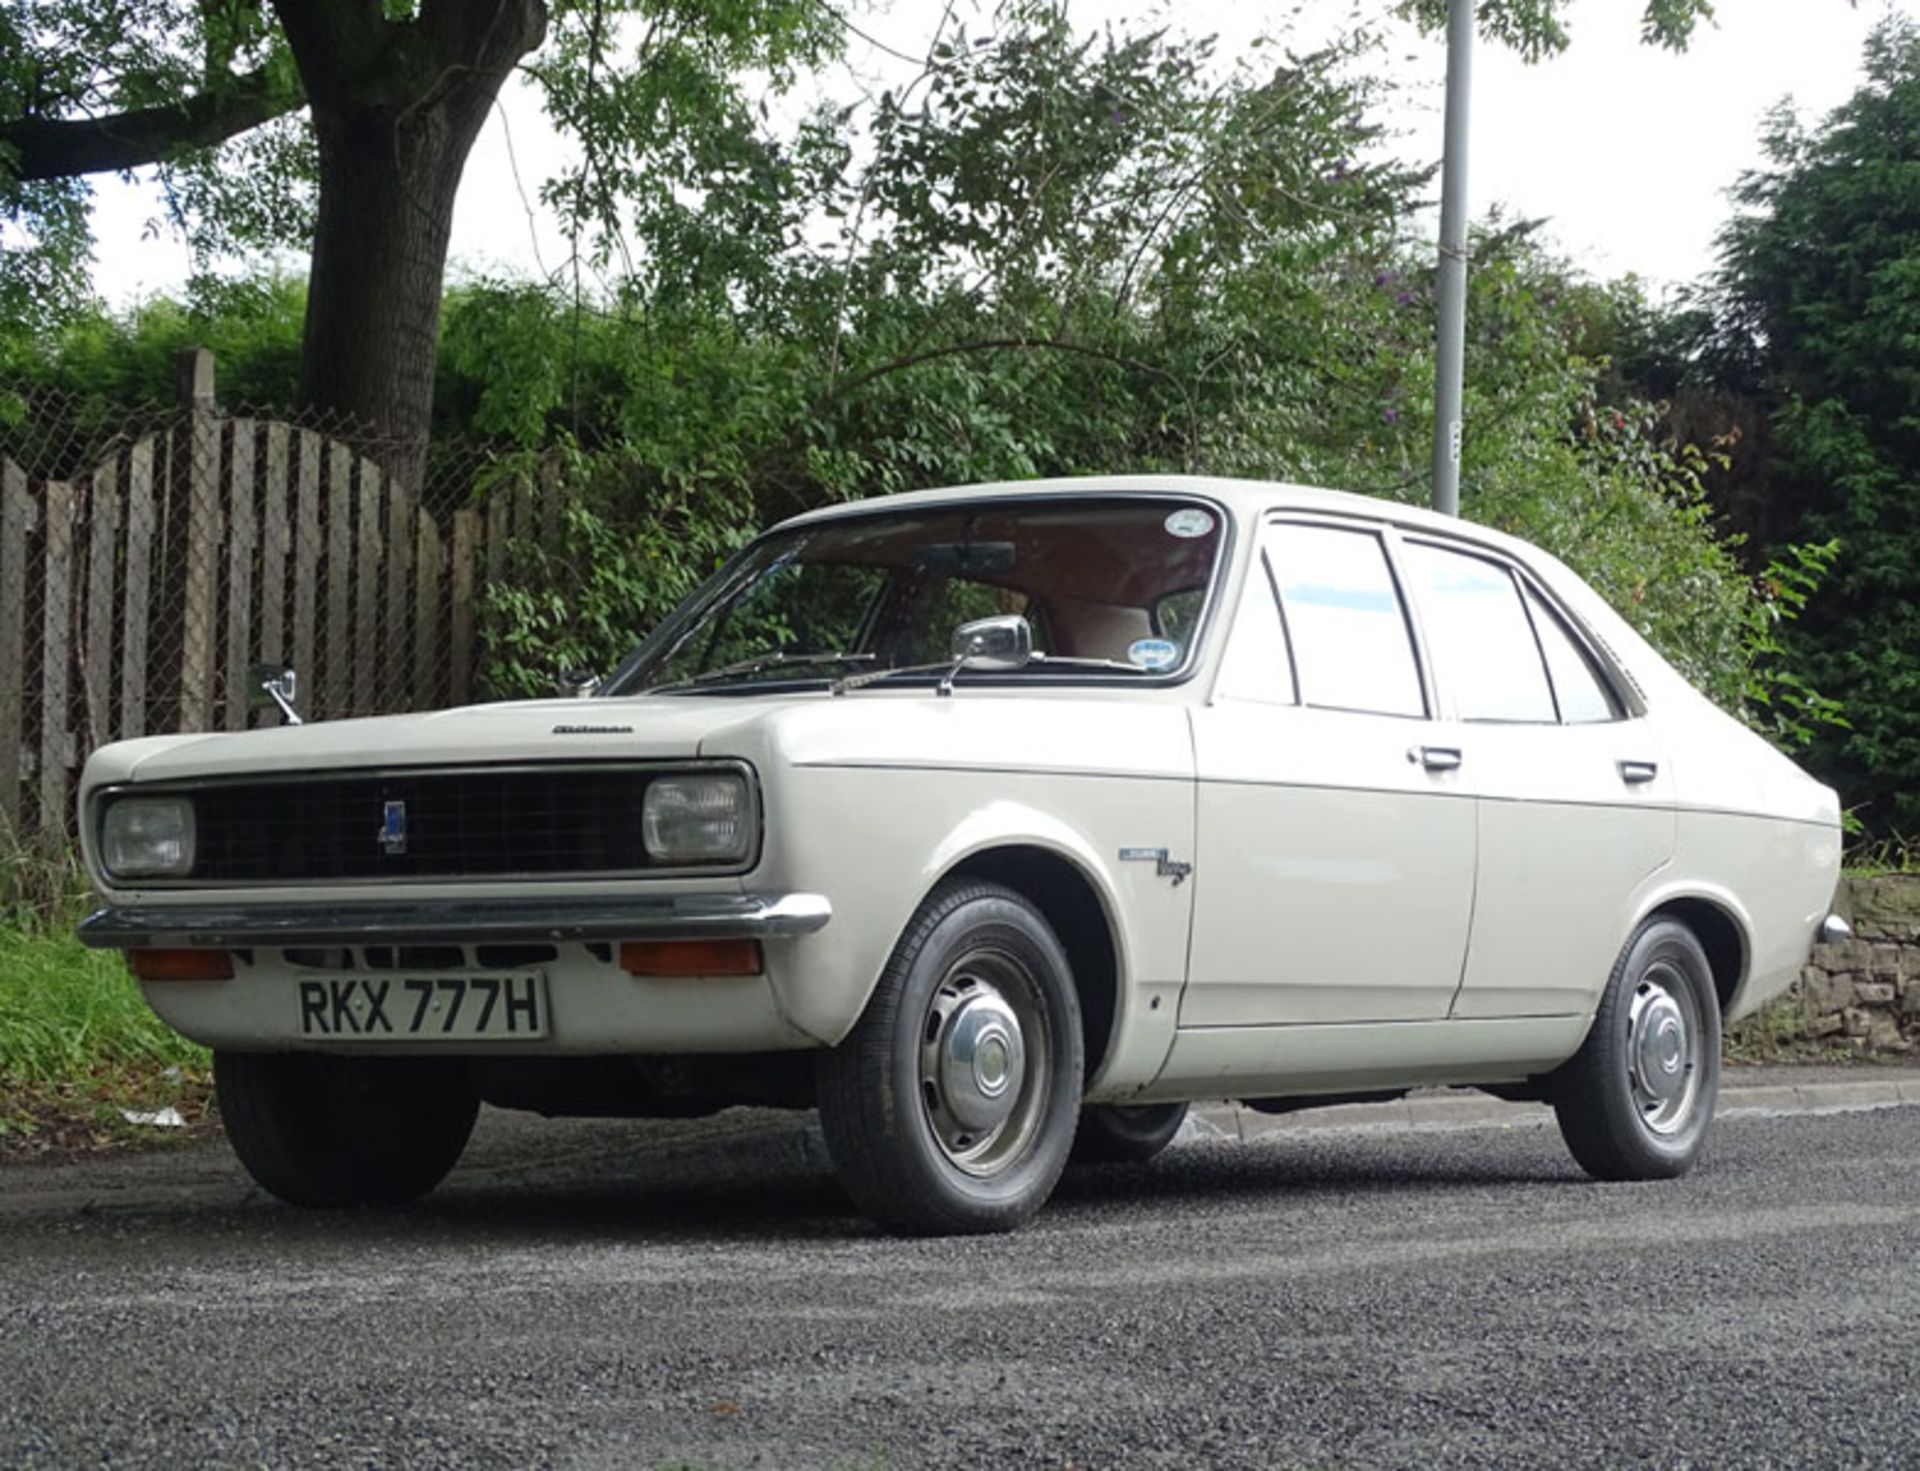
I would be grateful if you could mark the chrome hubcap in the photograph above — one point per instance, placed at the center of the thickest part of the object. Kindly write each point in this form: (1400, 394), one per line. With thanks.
(1663, 1050)
(981, 1060)
(982, 1084)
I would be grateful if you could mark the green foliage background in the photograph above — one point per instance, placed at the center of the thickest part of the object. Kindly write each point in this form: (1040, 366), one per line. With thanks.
(1815, 327)
(1045, 254)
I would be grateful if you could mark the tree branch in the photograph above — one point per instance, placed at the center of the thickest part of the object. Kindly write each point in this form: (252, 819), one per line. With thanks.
(61, 148)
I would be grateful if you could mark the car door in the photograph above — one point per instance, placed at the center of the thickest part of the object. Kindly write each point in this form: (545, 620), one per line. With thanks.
(1335, 854)
(1576, 810)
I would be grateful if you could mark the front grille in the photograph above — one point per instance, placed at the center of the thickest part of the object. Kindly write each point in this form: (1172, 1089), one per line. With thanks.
(476, 823)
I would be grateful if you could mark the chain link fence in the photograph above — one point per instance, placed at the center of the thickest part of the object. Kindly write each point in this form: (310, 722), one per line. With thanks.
(149, 556)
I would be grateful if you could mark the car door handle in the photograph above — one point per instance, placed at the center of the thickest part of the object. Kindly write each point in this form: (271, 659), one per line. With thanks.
(1633, 773)
(1436, 758)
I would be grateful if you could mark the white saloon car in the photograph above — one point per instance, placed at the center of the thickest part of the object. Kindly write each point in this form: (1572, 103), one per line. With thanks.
(997, 823)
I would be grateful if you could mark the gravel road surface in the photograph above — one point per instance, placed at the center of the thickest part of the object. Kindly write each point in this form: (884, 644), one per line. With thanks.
(699, 1294)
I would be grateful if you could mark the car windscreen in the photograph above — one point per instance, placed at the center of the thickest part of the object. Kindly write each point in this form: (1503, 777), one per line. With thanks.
(1112, 588)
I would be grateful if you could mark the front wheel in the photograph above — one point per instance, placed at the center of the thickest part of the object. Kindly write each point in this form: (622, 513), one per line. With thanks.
(339, 1131)
(1636, 1101)
(951, 1105)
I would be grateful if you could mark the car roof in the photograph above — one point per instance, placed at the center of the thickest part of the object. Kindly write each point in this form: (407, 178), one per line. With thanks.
(1245, 498)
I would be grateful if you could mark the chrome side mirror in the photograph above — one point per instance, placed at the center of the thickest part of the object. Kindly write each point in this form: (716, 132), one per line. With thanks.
(1005, 642)
(998, 644)
(273, 685)
(576, 684)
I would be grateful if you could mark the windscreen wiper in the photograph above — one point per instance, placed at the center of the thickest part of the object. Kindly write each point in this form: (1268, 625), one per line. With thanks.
(950, 668)
(874, 676)
(741, 668)
(1079, 663)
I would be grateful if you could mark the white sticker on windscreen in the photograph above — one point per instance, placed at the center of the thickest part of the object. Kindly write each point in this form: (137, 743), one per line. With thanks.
(1153, 653)
(1189, 522)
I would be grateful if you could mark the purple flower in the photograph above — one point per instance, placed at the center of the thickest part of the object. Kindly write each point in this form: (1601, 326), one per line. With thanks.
(1392, 416)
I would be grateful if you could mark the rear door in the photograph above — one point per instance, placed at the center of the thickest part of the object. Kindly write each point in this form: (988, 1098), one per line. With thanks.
(1335, 859)
(1576, 810)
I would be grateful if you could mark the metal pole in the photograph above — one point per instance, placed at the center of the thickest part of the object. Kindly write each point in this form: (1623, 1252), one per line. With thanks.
(1449, 366)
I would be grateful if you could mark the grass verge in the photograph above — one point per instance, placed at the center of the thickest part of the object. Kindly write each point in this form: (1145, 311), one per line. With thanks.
(79, 1049)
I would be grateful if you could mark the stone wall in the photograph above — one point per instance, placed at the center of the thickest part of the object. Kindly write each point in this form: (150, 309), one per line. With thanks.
(1864, 993)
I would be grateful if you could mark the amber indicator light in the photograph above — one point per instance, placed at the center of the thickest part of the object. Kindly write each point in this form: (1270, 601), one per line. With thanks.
(181, 965)
(691, 957)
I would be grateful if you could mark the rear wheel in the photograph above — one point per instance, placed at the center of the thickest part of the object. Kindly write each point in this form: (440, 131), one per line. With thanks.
(1115, 1134)
(951, 1105)
(338, 1131)
(1636, 1101)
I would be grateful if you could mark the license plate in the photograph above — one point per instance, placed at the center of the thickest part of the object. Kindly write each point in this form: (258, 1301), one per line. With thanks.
(502, 1008)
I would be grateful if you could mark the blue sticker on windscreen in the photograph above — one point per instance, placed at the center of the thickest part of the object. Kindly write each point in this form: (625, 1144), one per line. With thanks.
(1153, 653)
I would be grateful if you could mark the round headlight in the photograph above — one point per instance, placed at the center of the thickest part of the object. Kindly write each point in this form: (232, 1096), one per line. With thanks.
(697, 819)
(147, 837)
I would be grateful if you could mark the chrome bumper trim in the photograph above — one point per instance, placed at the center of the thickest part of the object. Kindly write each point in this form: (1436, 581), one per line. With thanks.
(463, 921)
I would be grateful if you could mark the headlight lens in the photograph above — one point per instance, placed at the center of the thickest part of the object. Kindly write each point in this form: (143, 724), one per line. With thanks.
(697, 819)
(148, 837)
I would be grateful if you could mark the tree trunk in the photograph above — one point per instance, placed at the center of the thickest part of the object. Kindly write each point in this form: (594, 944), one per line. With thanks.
(373, 295)
(396, 108)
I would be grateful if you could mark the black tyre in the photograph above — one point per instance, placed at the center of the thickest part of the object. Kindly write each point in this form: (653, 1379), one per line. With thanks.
(339, 1131)
(1636, 1101)
(1115, 1134)
(951, 1105)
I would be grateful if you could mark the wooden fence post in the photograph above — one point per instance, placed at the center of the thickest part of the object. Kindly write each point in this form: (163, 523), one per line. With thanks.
(276, 539)
(369, 574)
(96, 659)
(397, 651)
(306, 562)
(142, 525)
(56, 660)
(241, 536)
(17, 518)
(466, 546)
(337, 653)
(427, 645)
(523, 527)
(499, 528)
(548, 504)
(199, 633)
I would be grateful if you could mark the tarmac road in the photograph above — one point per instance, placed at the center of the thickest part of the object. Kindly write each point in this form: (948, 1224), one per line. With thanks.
(1442, 1292)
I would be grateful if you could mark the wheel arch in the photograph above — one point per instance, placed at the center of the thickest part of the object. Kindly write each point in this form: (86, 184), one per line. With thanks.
(1722, 934)
(1075, 908)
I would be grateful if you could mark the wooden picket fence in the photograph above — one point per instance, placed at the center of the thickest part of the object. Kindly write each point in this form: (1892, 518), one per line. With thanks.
(134, 597)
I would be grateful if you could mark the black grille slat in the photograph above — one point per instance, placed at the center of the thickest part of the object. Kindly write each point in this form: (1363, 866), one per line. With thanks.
(465, 824)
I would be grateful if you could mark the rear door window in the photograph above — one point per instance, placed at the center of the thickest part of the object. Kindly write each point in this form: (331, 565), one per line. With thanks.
(1485, 655)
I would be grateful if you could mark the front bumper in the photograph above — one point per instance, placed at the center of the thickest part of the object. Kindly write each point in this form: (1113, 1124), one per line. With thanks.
(415, 922)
